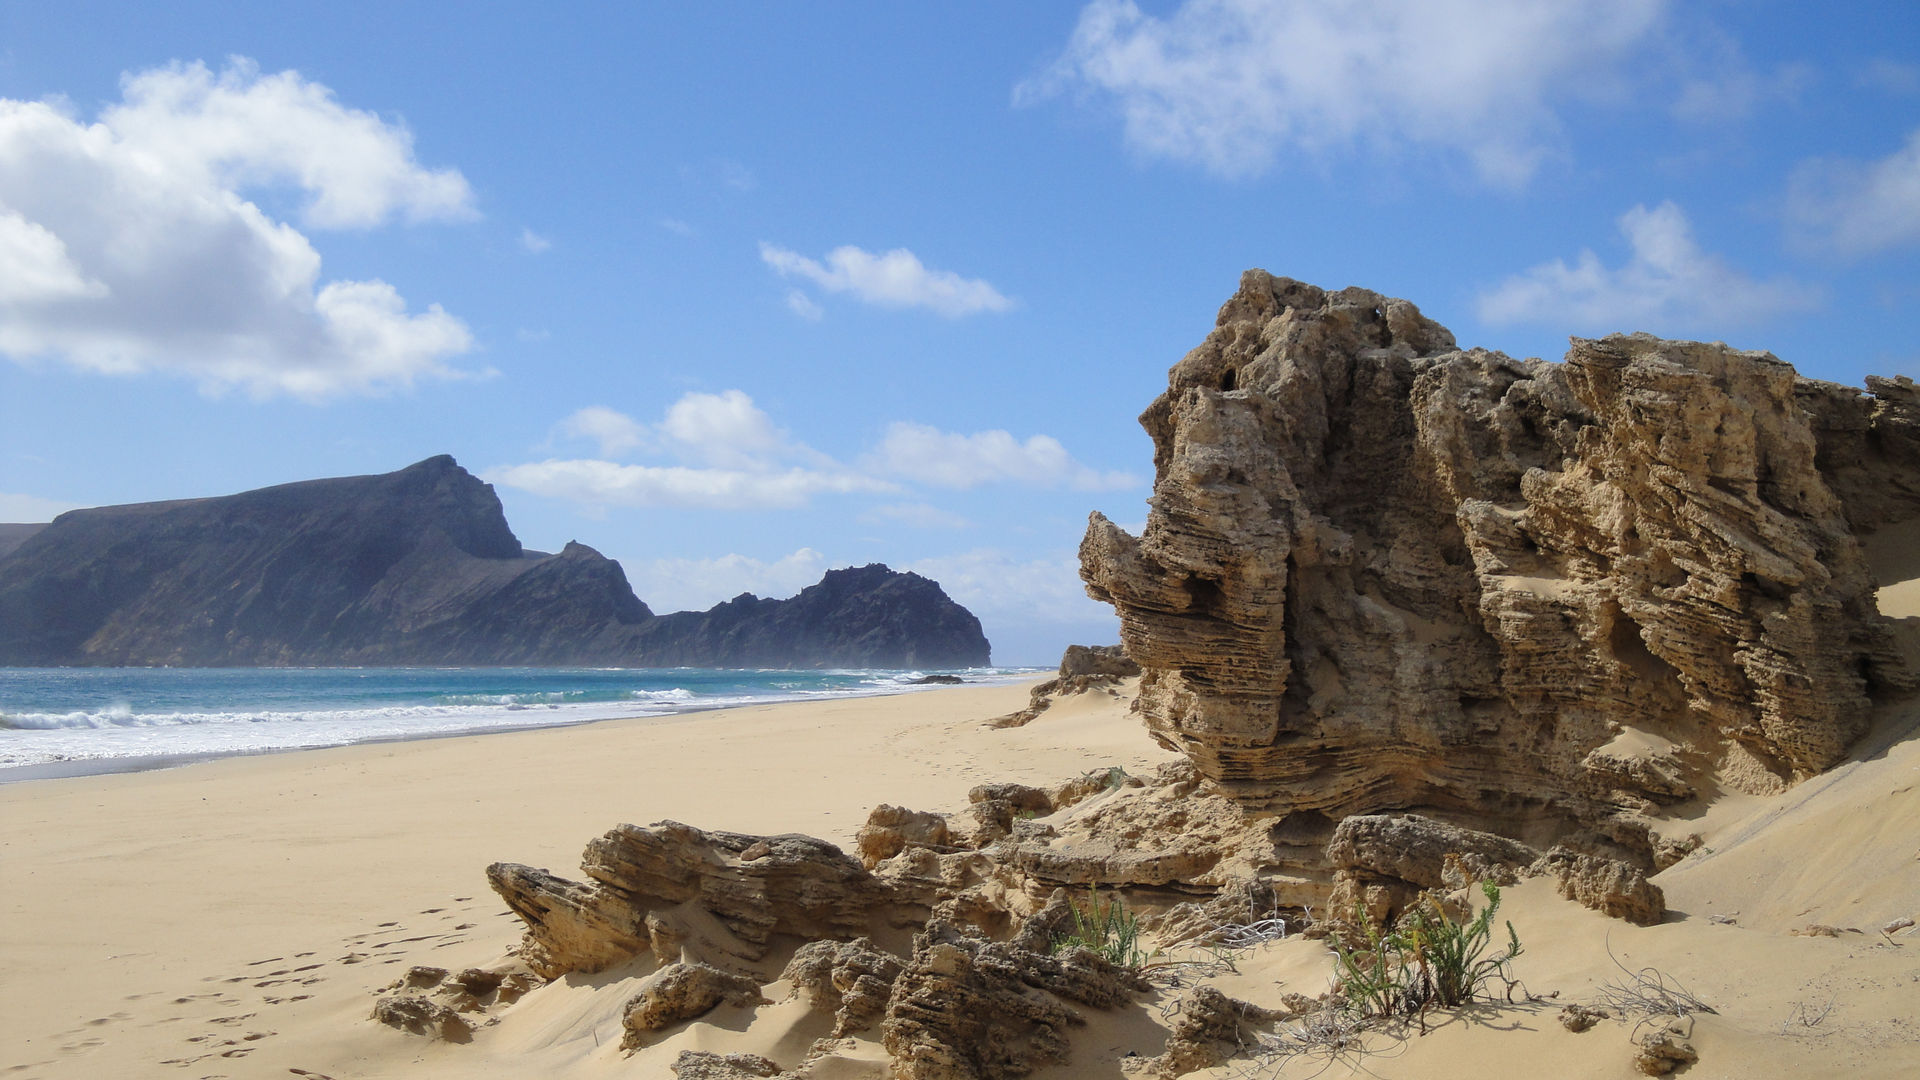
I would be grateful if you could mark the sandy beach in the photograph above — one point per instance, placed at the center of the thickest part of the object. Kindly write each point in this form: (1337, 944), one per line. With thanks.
(236, 917)
(150, 918)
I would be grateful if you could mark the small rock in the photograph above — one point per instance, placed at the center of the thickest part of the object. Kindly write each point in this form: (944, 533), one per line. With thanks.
(1664, 1050)
(421, 976)
(416, 1014)
(1896, 925)
(1578, 1018)
(701, 1065)
(681, 992)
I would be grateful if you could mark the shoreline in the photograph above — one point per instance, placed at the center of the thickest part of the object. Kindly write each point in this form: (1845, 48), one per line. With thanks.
(135, 763)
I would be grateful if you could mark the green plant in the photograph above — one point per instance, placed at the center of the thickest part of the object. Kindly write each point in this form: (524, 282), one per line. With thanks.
(1427, 959)
(1106, 927)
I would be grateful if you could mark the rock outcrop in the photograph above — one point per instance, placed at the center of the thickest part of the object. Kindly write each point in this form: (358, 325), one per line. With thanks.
(413, 567)
(966, 1008)
(1083, 669)
(1382, 573)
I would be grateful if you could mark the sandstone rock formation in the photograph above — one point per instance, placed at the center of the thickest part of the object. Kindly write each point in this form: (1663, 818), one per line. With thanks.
(970, 1009)
(413, 567)
(1382, 573)
(1083, 668)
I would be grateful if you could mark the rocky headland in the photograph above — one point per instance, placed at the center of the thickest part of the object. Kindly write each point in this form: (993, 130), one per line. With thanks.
(1414, 618)
(417, 566)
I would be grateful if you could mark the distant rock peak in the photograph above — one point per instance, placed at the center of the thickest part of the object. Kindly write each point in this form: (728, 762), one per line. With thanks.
(416, 566)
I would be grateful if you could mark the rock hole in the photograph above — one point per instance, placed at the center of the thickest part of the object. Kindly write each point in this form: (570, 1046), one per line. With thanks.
(1629, 648)
(1203, 594)
(1229, 379)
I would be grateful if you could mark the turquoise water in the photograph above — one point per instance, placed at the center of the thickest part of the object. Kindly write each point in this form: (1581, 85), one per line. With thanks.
(114, 715)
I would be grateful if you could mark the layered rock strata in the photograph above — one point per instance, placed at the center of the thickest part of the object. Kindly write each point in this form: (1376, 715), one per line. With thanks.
(1382, 573)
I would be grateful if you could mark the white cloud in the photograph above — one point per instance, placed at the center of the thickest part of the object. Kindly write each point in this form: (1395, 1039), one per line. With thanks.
(1668, 284)
(1234, 85)
(30, 509)
(126, 245)
(241, 129)
(677, 227)
(614, 431)
(741, 461)
(894, 279)
(1858, 207)
(733, 456)
(697, 584)
(606, 483)
(916, 516)
(533, 242)
(804, 306)
(952, 460)
(727, 429)
(995, 584)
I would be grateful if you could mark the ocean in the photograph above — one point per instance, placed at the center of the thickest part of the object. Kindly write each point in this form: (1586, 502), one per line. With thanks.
(65, 721)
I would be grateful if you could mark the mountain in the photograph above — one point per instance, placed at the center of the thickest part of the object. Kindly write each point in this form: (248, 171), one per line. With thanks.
(413, 567)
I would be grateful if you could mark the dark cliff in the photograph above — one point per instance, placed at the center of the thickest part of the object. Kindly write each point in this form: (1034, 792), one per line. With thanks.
(867, 616)
(414, 567)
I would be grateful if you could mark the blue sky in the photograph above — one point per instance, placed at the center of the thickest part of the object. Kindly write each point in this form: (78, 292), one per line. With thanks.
(737, 293)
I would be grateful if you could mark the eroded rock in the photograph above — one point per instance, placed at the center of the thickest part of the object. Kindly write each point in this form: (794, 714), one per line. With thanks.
(702, 1065)
(1083, 669)
(681, 992)
(1382, 573)
(1663, 1049)
(890, 829)
(1608, 886)
(1209, 1028)
(681, 890)
(420, 1016)
(852, 980)
(966, 1008)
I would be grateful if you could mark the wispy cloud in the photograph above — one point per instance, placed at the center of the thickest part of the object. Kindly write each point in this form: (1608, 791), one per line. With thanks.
(607, 483)
(1667, 285)
(1852, 208)
(127, 245)
(533, 242)
(614, 431)
(804, 306)
(896, 279)
(994, 583)
(727, 453)
(1236, 86)
(953, 460)
(730, 454)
